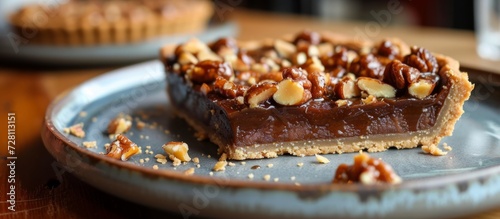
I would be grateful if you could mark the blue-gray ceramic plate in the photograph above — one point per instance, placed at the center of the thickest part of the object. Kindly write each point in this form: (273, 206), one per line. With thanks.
(465, 181)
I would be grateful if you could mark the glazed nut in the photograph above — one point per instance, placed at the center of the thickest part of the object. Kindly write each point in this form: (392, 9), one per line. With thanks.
(208, 55)
(260, 67)
(122, 148)
(260, 93)
(299, 58)
(313, 64)
(193, 46)
(187, 58)
(119, 125)
(271, 76)
(291, 93)
(319, 81)
(422, 88)
(400, 75)
(207, 71)
(284, 49)
(376, 87)
(177, 149)
(308, 49)
(346, 89)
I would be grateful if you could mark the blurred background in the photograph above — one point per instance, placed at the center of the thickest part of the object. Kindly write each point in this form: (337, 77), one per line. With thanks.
(444, 13)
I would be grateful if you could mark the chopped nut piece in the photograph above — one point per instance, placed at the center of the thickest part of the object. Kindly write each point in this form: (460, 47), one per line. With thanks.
(187, 58)
(260, 93)
(376, 87)
(366, 170)
(285, 49)
(220, 166)
(321, 159)
(161, 156)
(290, 93)
(346, 89)
(267, 177)
(342, 103)
(76, 130)
(90, 144)
(122, 148)
(196, 160)
(119, 125)
(178, 150)
(369, 99)
(422, 88)
(433, 150)
(189, 171)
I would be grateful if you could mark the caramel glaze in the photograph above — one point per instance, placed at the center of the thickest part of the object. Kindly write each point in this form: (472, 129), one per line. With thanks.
(240, 126)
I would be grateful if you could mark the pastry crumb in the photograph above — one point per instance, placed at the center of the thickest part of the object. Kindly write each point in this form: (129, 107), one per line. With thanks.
(141, 161)
(83, 114)
(155, 167)
(270, 165)
(196, 160)
(223, 157)
(250, 176)
(300, 164)
(198, 165)
(276, 179)
(231, 164)
(161, 156)
(90, 144)
(243, 162)
(211, 173)
(433, 150)
(200, 136)
(94, 119)
(292, 178)
(267, 177)
(189, 171)
(447, 147)
(175, 160)
(322, 159)
(220, 166)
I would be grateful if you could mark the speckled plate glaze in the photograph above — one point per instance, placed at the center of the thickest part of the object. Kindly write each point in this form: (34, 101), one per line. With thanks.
(463, 182)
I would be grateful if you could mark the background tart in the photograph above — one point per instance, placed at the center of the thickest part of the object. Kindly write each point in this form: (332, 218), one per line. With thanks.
(80, 22)
(314, 93)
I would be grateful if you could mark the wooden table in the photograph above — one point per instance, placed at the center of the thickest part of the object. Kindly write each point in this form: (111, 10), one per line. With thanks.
(27, 91)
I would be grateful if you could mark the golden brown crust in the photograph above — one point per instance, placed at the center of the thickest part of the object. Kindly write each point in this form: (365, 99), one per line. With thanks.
(110, 22)
(450, 113)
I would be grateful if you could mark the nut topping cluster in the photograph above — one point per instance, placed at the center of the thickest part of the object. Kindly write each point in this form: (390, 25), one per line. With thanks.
(308, 67)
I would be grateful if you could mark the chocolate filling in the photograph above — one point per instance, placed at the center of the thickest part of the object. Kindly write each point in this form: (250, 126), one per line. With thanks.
(238, 125)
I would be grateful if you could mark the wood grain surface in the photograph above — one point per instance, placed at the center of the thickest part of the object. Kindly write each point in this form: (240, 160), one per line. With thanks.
(28, 90)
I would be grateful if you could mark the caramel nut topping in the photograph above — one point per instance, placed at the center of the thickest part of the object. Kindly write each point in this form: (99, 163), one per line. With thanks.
(367, 66)
(400, 75)
(291, 93)
(285, 49)
(319, 83)
(207, 71)
(389, 50)
(308, 37)
(228, 88)
(376, 87)
(260, 93)
(222, 45)
(338, 60)
(347, 88)
(421, 88)
(422, 60)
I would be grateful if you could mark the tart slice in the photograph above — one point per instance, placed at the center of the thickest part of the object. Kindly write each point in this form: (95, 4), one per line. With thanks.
(314, 94)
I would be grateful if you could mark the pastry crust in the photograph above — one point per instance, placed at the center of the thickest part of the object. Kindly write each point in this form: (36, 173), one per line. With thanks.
(449, 114)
